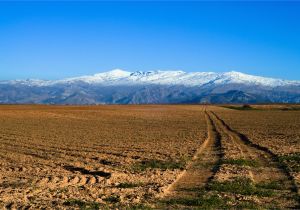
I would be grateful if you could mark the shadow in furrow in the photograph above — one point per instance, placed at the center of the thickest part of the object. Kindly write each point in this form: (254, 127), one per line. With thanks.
(87, 172)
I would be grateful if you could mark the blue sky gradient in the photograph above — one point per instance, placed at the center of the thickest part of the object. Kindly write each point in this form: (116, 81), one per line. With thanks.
(52, 40)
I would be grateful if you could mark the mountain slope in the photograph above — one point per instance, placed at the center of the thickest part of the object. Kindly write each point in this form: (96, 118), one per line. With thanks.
(122, 87)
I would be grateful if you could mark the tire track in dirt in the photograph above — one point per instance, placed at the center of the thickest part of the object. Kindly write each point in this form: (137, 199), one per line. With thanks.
(201, 168)
(269, 168)
(64, 180)
(233, 150)
(80, 176)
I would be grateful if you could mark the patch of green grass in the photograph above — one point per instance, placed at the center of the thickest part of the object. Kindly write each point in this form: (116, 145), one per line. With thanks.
(160, 164)
(241, 162)
(112, 199)
(139, 207)
(274, 185)
(249, 205)
(292, 160)
(209, 202)
(129, 185)
(82, 204)
(241, 186)
(291, 157)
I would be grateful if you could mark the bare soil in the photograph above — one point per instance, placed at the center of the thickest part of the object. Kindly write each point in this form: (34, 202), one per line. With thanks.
(149, 156)
(57, 155)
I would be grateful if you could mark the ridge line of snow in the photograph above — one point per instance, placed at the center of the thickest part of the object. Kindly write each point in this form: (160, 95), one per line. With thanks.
(121, 77)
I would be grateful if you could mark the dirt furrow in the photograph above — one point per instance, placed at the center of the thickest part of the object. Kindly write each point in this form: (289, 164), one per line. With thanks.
(69, 180)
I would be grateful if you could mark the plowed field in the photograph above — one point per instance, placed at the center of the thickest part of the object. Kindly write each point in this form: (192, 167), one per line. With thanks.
(149, 156)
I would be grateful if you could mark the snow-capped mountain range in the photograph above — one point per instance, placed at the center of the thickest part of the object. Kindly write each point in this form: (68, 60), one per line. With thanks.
(123, 87)
(121, 77)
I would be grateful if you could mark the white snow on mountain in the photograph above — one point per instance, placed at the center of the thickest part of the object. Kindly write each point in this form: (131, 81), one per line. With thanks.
(105, 77)
(120, 77)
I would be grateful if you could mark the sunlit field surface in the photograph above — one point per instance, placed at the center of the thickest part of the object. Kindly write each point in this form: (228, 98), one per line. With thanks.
(149, 156)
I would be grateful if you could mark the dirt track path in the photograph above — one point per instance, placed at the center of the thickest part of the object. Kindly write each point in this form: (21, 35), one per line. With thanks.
(202, 167)
(266, 169)
(269, 170)
(209, 164)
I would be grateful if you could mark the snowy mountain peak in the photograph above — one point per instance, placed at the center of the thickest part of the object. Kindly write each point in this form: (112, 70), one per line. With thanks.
(120, 77)
(234, 73)
(114, 73)
(123, 87)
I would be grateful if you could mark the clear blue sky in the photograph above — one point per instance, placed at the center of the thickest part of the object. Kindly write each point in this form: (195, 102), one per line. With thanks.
(51, 40)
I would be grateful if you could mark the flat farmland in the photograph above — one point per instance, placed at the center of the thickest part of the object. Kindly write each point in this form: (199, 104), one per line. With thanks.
(149, 156)
(60, 156)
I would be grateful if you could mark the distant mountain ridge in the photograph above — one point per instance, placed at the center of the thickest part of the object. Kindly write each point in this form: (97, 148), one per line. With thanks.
(124, 87)
(121, 77)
